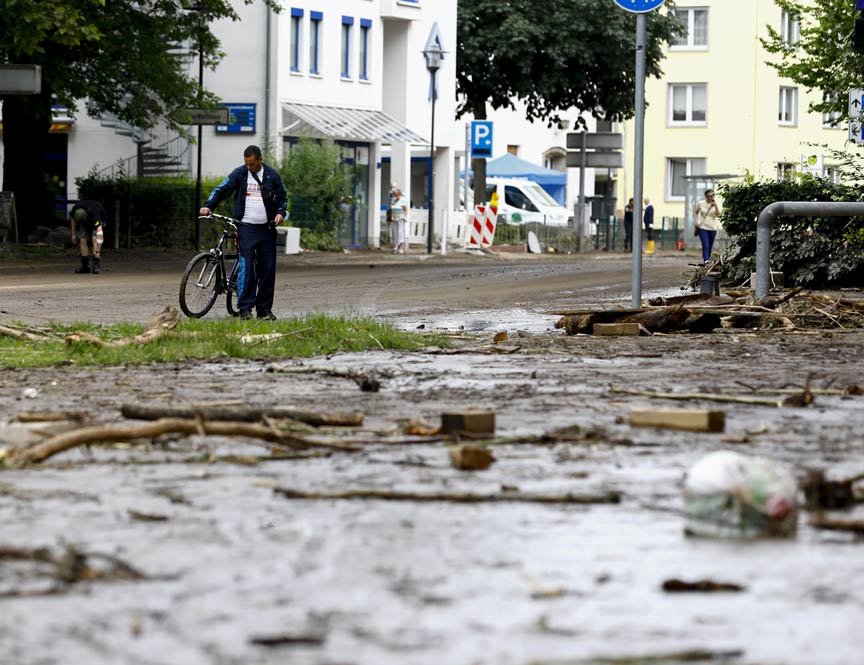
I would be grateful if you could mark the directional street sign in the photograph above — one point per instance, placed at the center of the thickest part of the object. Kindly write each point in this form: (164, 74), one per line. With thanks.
(639, 6)
(203, 116)
(20, 79)
(596, 141)
(856, 109)
(481, 138)
(595, 160)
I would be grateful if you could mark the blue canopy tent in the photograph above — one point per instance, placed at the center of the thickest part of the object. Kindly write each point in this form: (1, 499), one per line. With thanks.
(510, 166)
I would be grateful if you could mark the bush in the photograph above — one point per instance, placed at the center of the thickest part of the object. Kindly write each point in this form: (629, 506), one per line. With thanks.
(814, 252)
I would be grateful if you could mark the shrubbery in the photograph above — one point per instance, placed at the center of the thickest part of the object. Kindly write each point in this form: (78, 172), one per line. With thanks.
(814, 252)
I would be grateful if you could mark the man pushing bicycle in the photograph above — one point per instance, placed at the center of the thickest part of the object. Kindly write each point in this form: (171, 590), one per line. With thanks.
(259, 197)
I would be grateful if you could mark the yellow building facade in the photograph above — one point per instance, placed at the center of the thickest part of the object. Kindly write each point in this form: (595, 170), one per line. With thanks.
(719, 110)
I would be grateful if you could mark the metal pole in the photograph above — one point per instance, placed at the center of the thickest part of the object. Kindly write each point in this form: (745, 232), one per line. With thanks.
(583, 164)
(639, 155)
(200, 137)
(431, 221)
(467, 161)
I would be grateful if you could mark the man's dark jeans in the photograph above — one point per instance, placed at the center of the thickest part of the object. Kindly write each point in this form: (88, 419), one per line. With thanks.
(256, 278)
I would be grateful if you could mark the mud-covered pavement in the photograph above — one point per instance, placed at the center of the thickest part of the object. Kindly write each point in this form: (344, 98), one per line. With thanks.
(355, 581)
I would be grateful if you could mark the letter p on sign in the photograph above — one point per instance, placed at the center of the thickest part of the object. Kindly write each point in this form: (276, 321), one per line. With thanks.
(481, 138)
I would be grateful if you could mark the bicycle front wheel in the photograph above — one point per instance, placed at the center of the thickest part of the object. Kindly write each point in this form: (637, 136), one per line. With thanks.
(199, 286)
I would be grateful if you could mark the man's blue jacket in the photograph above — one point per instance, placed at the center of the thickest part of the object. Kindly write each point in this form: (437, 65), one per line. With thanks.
(273, 192)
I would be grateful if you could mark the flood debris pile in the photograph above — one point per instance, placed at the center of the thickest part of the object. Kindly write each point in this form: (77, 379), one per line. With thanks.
(793, 310)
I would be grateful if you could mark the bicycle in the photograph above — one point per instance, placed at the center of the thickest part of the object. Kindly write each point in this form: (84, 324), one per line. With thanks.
(206, 278)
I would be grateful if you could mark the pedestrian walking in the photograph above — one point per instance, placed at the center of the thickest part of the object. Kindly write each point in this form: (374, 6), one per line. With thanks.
(87, 219)
(705, 216)
(260, 202)
(398, 213)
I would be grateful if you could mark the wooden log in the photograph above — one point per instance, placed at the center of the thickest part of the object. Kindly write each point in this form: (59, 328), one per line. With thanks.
(453, 497)
(617, 329)
(250, 414)
(693, 420)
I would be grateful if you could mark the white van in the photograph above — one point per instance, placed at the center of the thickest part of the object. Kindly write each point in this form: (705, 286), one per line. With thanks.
(522, 201)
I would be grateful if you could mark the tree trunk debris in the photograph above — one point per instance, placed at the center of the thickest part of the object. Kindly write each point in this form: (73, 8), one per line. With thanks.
(245, 414)
(452, 497)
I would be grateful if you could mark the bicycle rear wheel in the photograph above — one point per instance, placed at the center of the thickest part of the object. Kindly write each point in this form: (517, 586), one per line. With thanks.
(231, 286)
(200, 285)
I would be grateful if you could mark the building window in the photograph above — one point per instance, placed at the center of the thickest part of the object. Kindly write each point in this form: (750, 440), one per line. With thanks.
(315, 19)
(688, 104)
(790, 31)
(695, 34)
(365, 29)
(786, 170)
(831, 119)
(296, 21)
(347, 24)
(788, 111)
(677, 170)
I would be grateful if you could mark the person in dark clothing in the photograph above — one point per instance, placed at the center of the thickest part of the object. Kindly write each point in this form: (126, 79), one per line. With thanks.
(648, 217)
(87, 218)
(628, 226)
(260, 202)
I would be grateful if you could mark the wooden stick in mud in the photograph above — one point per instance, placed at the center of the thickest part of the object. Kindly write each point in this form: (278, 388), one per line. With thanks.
(245, 414)
(708, 397)
(15, 333)
(452, 497)
(86, 435)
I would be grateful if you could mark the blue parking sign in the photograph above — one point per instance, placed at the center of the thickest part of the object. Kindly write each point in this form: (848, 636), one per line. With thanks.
(481, 138)
(639, 6)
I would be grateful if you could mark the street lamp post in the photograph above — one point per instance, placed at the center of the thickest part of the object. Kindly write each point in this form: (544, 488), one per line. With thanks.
(433, 54)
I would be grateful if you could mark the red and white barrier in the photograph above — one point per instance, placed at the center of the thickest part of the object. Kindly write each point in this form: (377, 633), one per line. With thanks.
(482, 227)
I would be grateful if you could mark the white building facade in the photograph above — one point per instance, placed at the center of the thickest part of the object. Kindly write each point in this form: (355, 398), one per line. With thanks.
(350, 70)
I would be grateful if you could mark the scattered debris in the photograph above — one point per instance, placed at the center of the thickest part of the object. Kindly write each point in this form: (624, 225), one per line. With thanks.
(850, 526)
(694, 420)
(287, 639)
(470, 458)
(821, 493)
(159, 324)
(368, 381)
(500, 337)
(470, 421)
(702, 586)
(245, 414)
(617, 329)
(453, 497)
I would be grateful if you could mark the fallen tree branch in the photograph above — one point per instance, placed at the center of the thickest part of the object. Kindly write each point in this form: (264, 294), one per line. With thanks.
(452, 497)
(158, 325)
(86, 435)
(245, 414)
(709, 397)
(16, 333)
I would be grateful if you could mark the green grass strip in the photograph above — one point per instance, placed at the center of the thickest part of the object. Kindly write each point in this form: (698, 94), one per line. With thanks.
(204, 339)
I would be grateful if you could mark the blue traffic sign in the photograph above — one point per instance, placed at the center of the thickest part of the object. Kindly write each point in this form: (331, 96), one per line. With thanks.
(481, 138)
(639, 6)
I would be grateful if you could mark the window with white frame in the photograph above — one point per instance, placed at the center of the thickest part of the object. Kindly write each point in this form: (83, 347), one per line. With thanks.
(688, 104)
(695, 35)
(786, 170)
(365, 30)
(296, 32)
(830, 172)
(677, 170)
(790, 31)
(347, 25)
(832, 119)
(788, 106)
(315, 20)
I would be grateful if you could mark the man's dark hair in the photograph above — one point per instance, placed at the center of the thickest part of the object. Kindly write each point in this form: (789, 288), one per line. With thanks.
(709, 191)
(252, 151)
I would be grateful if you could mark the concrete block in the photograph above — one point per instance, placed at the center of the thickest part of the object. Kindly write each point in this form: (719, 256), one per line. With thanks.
(475, 422)
(775, 280)
(614, 329)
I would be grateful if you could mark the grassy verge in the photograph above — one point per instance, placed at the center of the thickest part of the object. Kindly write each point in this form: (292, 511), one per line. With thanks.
(303, 337)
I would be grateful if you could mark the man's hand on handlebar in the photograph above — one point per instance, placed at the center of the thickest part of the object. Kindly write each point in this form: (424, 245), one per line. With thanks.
(204, 212)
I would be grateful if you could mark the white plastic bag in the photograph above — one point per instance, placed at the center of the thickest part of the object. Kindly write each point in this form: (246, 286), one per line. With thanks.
(729, 495)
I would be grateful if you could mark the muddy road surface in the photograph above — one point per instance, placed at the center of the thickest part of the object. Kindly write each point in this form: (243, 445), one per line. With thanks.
(234, 572)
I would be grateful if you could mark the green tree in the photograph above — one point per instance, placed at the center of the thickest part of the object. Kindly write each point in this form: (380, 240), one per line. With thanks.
(551, 56)
(121, 56)
(823, 58)
(318, 185)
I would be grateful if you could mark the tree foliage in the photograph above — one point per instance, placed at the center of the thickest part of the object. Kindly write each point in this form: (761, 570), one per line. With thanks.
(551, 56)
(123, 57)
(823, 59)
(810, 251)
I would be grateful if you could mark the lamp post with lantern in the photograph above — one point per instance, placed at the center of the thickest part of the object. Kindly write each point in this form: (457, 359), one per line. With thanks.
(434, 54)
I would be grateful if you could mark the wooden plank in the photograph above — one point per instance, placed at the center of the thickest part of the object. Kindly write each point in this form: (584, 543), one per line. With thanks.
(614, 329)
(693, 420)
(475, 422)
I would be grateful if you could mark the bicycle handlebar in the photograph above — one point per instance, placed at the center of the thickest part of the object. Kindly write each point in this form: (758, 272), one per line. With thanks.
(230, 220)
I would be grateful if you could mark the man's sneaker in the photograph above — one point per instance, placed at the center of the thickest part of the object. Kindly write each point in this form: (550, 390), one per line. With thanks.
(246, 315)
(269, 316)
